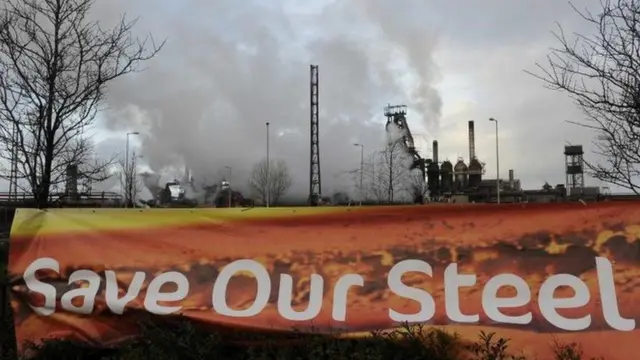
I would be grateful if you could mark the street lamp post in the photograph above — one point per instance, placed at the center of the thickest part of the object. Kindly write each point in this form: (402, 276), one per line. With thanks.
(361, 170)
(497, 162)
(126, 170)
(133, 173)
(268, 173)
(229, 181)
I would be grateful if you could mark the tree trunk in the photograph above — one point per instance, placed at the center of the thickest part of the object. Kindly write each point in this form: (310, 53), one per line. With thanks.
(42, 193)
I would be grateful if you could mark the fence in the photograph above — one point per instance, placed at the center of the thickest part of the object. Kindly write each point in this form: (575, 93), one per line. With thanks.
(89, 199)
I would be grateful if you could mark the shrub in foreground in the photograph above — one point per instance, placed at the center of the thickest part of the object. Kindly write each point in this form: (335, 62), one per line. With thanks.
(181, 340)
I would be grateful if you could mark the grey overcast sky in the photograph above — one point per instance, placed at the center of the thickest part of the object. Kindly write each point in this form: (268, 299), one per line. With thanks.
(230, 66)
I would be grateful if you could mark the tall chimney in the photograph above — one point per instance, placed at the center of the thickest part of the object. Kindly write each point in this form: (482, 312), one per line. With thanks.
(186, 178)
(472, 141)
(435, 151)
(512, 182)
(71, 187)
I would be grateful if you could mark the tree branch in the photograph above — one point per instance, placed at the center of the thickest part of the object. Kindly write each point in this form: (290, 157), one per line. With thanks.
(55, 67)
(601, 73)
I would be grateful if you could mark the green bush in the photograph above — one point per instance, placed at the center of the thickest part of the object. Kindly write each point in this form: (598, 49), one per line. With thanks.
(182, 340)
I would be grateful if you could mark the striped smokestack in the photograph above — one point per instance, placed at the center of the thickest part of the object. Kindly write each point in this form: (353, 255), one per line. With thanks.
(472, 141)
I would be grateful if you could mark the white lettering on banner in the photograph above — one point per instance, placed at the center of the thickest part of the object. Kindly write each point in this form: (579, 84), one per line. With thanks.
(340, 293)
(548, 303)
(285, 298)
(453, 281)
(261, 275)
(111, 293)
(88, 293)
(609, 298)
(491, 303)
(394, 280)
(154, 295)
(38, 286)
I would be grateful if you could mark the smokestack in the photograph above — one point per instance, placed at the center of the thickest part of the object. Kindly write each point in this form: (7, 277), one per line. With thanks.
(472, 141)
(71, 187)
(512, 182)
(435, 151)
(187, 175)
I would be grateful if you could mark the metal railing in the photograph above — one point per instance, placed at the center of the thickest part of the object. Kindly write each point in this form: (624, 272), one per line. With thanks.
(24, 199)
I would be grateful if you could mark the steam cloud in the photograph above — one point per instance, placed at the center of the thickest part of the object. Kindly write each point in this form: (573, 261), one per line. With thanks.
(229, 67)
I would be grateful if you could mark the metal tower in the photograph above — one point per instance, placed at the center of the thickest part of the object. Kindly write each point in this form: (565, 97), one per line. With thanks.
(397, 115)
(574, 166)
(315, 187)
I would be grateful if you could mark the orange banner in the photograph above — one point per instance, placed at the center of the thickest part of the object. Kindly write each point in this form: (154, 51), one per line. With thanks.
(529, 272)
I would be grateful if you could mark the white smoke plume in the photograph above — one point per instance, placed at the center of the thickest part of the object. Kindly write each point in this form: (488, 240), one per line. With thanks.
(231, 66)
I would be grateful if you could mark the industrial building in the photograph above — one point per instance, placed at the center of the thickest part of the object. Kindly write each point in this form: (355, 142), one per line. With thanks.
(465, 182)
(446, 182)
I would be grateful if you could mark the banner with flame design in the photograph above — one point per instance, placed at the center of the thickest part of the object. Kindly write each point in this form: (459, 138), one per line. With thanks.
(529, 272)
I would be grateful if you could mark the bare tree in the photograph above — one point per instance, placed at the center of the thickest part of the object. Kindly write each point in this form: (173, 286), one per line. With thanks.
(386, 173)
(601, 72)
(415, 185)
(129, 179)
(374, 180)
(55, 66)
(270, 182)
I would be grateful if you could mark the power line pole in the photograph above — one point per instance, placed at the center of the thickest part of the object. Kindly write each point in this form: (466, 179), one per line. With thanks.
(127, 175)
(497, 162)
(361, 171)
(268, 171)
(315, 186)
(229, 181)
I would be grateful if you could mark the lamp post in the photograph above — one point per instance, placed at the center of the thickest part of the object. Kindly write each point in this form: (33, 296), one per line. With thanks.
(497, 162)
(268, 174)
(126, 169)
(229, 181)
(361, 170)
(133, 174)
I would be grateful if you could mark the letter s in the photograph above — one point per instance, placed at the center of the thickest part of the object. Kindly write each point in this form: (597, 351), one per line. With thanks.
(394, 280)
(36, 285)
